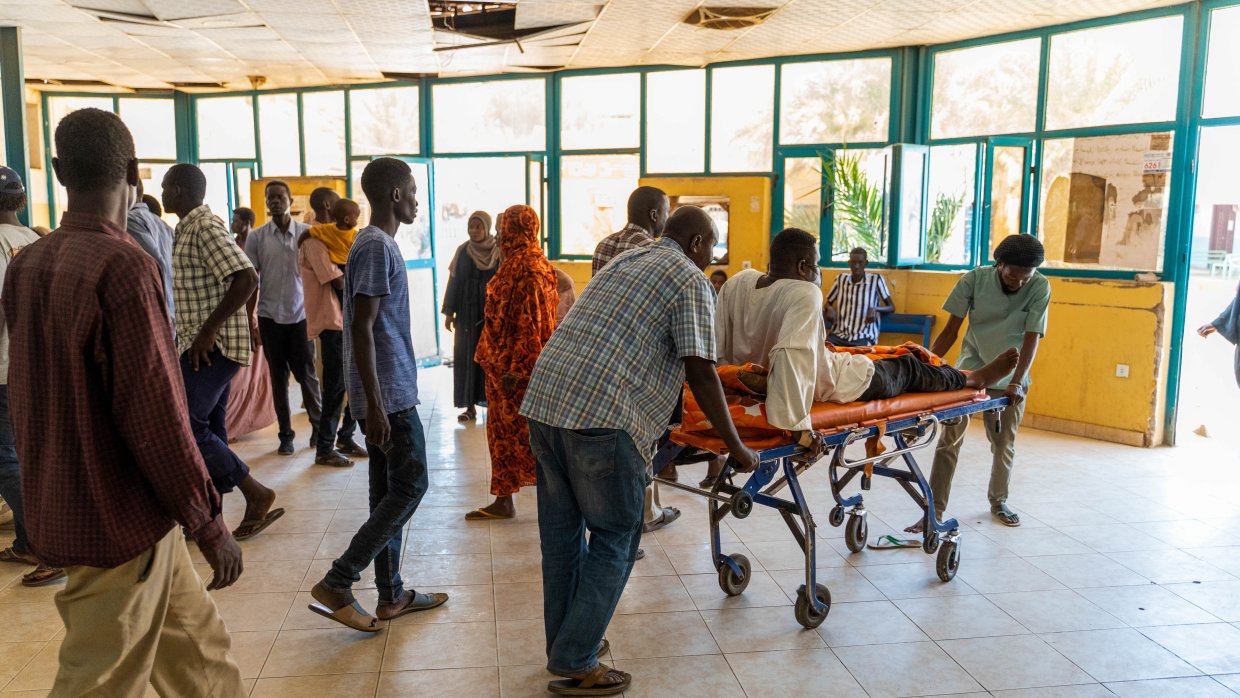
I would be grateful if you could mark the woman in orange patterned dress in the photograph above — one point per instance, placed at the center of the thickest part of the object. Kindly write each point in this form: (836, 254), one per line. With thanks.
(520, 317)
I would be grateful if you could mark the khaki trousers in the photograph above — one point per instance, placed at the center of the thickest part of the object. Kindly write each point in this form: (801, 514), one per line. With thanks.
(149, 620)
(653, 507)
(1002, 448)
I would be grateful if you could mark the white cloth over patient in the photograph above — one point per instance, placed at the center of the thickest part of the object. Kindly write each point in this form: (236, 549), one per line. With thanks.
(780, 327)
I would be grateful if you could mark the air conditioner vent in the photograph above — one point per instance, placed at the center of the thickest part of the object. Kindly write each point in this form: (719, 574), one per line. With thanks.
(729, 18)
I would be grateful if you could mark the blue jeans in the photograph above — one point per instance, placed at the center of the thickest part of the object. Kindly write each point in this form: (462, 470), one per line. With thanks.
(207, 392)
(591, 479)
(11, 474)
(398, 480)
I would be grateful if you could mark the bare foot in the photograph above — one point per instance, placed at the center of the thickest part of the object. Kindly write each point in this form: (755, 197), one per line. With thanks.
(333, 599)
(994, 371)
(916, 528)
(258, 498)
(501, 508)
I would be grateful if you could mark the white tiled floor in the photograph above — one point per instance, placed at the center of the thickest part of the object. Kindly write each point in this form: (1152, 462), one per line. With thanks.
(1124, 580)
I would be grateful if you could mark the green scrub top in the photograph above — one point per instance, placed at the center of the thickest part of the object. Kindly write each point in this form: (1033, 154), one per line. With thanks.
(998, 320)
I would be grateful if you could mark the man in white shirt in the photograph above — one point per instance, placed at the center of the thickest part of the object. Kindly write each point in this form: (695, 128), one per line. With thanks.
(772, 320)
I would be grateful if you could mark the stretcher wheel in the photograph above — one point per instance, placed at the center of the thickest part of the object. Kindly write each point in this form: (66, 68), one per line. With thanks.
(742, 504)
(836, 517)
(806, 615)
(931, 543)
(948, 561)
(731, 584)
(856, 534)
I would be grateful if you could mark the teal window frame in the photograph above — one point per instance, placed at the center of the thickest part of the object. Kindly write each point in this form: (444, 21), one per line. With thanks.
(53, 215)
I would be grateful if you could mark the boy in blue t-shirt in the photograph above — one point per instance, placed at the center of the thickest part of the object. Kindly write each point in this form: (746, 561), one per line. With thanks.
(383, 386)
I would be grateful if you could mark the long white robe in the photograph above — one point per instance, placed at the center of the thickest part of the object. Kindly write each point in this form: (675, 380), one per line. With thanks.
(780, 327)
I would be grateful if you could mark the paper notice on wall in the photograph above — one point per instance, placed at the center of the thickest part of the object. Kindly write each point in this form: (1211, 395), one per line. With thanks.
(1157, 162)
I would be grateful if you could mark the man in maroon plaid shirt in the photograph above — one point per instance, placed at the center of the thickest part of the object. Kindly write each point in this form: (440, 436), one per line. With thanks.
(109, 466)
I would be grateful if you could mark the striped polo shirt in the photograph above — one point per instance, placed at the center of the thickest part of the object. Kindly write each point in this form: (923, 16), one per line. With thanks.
(853, 301)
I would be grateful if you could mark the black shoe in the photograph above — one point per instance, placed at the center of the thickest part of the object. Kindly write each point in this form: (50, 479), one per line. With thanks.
(333, 459)
(349, 447)
(314, 438)
(640, 553)
(286, 447)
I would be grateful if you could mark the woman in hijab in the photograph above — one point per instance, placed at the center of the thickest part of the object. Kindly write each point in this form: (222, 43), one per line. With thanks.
(464, 303)
(520, 317)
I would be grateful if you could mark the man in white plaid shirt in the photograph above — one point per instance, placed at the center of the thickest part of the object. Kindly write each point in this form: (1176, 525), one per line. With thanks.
(597, 402)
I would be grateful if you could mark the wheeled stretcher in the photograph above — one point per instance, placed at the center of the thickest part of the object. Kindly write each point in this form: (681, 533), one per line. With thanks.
(910, 422)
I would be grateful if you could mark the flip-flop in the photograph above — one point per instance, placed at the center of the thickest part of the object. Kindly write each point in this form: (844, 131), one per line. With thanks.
(11, 555)
(587, 684)
(481, 514)
(252, 527)
(417, 602)
(669, 515)
(353, 616)
(891, 543)
(42, 575)
(1007, 517)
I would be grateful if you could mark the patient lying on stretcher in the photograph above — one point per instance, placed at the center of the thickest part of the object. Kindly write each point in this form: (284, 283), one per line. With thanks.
(773, 320)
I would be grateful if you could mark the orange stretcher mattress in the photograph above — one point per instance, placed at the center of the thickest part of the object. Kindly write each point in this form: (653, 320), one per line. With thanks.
(827, 417)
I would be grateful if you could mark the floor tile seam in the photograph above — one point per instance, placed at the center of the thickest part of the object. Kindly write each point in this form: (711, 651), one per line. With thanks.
(1042, 637)
(1175, 654)
(28, 662)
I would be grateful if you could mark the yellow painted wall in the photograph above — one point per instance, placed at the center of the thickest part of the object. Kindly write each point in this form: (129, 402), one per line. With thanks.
(300, 187)
(749, 221)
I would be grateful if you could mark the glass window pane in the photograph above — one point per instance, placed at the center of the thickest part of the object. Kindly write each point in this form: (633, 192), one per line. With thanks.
(953, 179)
(217, 187)
(835, 101)
(986, 90)
(1007, 192)
(152, 176)
(385, 121)
(422, 297)
(279, 135)
(1121, 74)
(225, 128)
(858, 180)
(153, 125)
(1104, 201)
(803, 194)
(676, 136)
(492, 116)
(462, 186)
(59, 107)
(323, 115)
(1223, 64)
(414, 239)
(600, 111)
(742, 112)
(594, 190)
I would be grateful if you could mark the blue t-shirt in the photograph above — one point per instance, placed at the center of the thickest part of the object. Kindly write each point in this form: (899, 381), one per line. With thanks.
(376, 268)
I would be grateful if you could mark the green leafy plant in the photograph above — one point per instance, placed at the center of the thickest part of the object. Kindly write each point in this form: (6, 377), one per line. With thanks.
(857, 204)
(942, 219)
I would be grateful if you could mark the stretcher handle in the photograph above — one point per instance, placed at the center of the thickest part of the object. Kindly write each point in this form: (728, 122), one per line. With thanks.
(861, 434)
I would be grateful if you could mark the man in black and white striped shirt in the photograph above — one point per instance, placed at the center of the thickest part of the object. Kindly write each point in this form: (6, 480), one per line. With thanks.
(856, 299)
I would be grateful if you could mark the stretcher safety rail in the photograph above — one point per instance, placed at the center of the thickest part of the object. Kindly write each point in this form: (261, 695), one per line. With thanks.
(782, 466)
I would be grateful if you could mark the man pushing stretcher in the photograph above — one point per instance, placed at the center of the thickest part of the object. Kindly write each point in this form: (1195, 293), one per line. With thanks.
(773, 319)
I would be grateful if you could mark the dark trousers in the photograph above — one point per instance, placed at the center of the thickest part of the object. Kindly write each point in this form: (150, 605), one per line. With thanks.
(11, 475)
(332, 344)
(398, 480)
(207, 393)
(288, 350)
(908, 374)
(841, 342)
